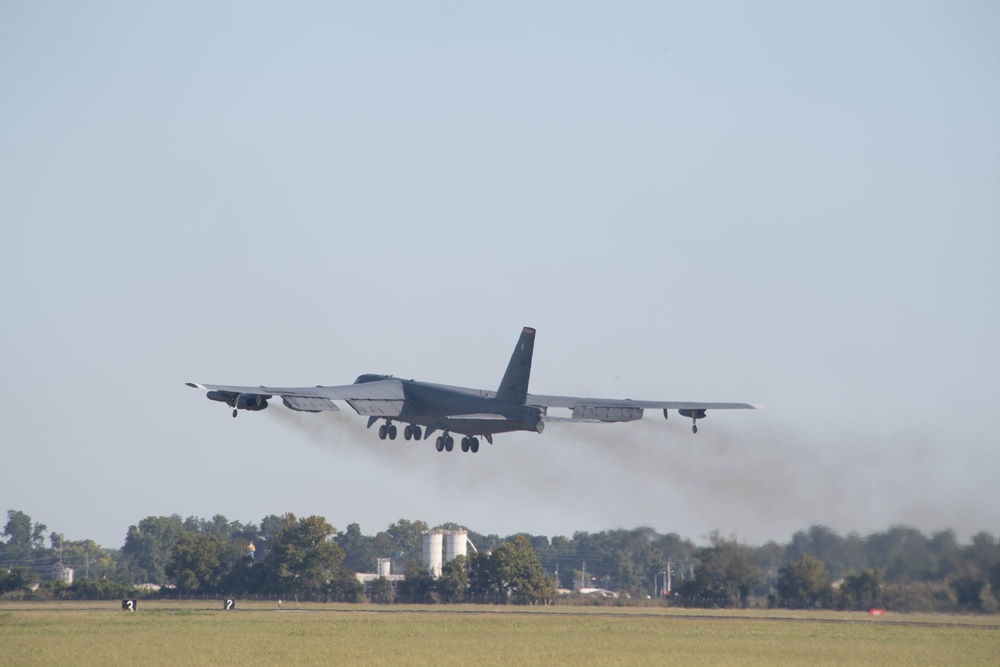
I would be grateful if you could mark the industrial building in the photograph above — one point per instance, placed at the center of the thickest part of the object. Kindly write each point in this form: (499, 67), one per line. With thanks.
(383, 571)
(439, 547)
(443, 546)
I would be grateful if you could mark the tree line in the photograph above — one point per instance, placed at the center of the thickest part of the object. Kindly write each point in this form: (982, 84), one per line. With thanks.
(899, 569)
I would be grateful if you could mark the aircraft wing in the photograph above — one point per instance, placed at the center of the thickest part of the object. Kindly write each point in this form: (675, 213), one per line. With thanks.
(619, 410)
(382, 398)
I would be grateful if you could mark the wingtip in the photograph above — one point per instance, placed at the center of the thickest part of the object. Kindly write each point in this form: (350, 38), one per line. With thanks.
(194, 385)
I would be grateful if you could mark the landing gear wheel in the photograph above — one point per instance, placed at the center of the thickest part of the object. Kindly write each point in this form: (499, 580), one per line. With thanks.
(407, 432)
(439, 444)
(416, 432)
(694, 428)
(382, 432)
(392, 431)
(465, 444)
(234, 413)
(449, 443)
(474, 445)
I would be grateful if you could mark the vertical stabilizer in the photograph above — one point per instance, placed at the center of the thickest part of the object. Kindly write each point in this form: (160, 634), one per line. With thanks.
(514, 387)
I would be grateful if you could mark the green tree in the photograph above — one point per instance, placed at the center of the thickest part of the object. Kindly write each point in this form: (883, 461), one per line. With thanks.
(454, 580)
(485, 582)
(303, 558)
(418, 585)
(360, 552)
(946, 553)
(247, 576)
(406, 539)
(197, 563)
(968, 591)
(23, 538)
(862, 591)
(803, 583)
(982, 552)
(146, 550)
(98, 589)
(995, 580)
(381, 591)
(88, 558)
(769, 558)
(902, 553)
(631, 561)
(839, 555)
(520, 578)
(270, 526)
(344, 587)
(728, 573)
(14, 580)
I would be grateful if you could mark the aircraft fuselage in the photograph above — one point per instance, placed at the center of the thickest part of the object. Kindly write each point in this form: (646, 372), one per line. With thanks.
(453, 409)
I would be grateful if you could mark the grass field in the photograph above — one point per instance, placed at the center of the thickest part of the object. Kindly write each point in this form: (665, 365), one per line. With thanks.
(200, 633)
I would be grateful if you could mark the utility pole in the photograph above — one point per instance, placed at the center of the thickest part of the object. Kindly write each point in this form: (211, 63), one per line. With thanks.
(669, 565)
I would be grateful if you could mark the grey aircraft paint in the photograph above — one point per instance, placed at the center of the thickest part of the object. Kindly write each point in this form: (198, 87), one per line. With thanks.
(427, 408)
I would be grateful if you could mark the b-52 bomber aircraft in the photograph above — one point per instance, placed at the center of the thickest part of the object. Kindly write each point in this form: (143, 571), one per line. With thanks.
(427, 408)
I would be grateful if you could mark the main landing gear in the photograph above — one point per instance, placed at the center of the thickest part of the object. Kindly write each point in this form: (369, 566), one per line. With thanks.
(447, 443)
(387, 430)
(410, 431)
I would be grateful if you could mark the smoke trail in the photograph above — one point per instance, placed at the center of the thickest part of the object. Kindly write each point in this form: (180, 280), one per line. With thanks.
(345, 434)
(764, 480)
(757, 479)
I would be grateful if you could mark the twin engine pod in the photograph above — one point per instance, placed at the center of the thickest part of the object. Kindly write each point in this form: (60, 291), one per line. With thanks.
(252, 402)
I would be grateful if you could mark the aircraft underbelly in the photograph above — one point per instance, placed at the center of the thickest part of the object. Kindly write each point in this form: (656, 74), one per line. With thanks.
(482, 426)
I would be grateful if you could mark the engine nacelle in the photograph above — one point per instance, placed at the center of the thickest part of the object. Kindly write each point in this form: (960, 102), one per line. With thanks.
(222, 397)
(240, 401)
(251, 402)
(692, 414)
(532, 417)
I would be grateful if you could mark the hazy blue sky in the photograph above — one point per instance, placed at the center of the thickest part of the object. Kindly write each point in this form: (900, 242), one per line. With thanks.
(794, 204)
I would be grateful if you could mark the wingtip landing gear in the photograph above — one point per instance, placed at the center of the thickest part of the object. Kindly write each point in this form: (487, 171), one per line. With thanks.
(694, 413)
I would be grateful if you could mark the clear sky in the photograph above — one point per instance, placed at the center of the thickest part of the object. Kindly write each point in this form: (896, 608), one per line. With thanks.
(793, 204)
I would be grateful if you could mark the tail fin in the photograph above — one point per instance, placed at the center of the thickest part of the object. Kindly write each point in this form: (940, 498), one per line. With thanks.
(514, 387)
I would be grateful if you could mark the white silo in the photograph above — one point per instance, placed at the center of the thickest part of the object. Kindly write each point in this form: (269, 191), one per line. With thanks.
(454, 545)
(432, 551)
(384, 567)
